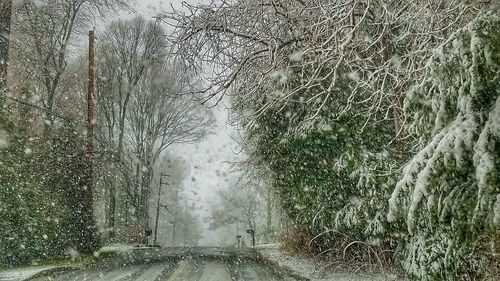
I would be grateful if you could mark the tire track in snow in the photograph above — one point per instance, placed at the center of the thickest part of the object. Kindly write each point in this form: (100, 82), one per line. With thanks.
(215, 271)
(152, 273)
(186, 270)
(119, 274)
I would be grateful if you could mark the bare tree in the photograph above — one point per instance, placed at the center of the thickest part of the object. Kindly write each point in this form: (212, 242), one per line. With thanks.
(125, 52)
(238, 205)
(160, 117)
(272, 53)
(139, 109)
(44, 30)
(256, 179)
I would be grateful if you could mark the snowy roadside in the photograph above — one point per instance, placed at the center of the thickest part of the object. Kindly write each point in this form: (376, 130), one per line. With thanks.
(19, 274)
(28, 272)
(314, 270)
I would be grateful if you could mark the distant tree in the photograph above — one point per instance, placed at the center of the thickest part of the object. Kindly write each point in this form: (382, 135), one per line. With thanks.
(258, 180)
(160, 117)
(125, 52)
(185, 226)
(140, 108)
(238, 206)
(178, 224)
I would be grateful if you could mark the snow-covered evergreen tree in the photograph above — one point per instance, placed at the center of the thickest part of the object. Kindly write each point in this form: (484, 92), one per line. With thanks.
(449, 192)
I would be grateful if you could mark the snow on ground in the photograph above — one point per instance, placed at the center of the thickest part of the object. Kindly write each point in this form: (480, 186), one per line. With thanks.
(20, 274)
(185, 270)
(315, 270)
(215, 271)
(117, 248)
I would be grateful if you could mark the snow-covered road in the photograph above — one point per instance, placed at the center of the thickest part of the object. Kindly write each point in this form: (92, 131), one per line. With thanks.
(186, 270)
(191, 267)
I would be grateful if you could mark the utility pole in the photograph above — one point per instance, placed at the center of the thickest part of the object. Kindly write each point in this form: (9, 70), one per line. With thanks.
(5, 18)
(90, 113)
(185, 221)
(158, 205)
(90, 238)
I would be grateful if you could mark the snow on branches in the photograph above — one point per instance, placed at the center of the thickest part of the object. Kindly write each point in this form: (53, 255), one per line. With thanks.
(450, 189)
(273, 53)
(455, 113)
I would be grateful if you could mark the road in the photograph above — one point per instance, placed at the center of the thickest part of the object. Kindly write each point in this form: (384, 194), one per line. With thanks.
(181, 264)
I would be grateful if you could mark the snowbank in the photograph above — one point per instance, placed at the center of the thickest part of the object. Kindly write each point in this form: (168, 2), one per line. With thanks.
(20, 274)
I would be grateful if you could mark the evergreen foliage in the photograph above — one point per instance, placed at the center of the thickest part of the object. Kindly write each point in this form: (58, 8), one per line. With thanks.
(449, 192)
(431, 198)
(41, 195)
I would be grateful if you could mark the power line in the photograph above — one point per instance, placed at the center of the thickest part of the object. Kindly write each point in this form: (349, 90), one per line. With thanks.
(44, 110)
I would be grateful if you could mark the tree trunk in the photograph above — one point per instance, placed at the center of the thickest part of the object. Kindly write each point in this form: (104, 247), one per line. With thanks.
(112, 208)
(174, 223)
(49, 119)
(269, 210)
(398, 116)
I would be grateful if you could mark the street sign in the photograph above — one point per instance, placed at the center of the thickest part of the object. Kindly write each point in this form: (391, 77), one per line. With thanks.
(252, 232)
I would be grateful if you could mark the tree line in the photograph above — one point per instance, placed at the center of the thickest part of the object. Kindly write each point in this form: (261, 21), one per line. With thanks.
(139, 115)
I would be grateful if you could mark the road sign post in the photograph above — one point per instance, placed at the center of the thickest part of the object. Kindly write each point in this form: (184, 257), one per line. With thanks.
(238, 241)
(252, 233)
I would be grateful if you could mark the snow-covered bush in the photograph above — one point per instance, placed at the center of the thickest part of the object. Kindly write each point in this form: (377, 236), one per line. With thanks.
(449, 192)
(330, 175)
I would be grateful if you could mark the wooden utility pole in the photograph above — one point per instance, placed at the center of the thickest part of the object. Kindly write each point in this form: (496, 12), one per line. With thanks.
(185, 221)
(158, 205)
(90, 234)
(5, 17)
(90, 113)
